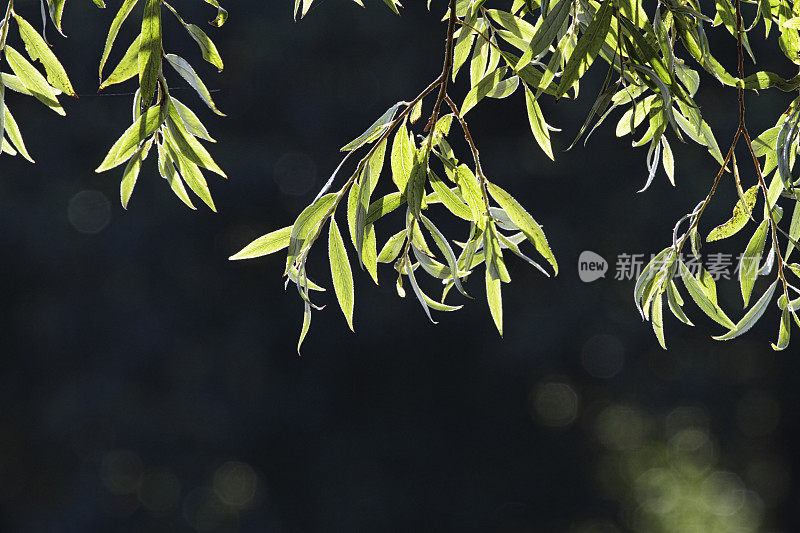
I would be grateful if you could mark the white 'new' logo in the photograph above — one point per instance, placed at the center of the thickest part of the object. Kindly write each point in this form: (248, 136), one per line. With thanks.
(591, 267)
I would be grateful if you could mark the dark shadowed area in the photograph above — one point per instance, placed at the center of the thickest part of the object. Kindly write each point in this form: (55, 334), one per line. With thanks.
(149, 384)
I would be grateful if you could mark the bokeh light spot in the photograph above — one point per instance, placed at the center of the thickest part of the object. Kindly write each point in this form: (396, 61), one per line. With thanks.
(89, 211)
(235, 483)
(554, 404)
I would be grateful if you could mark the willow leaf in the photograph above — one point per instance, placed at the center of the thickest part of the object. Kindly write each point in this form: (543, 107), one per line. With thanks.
(124, 10)
(341, 273)
(131, 173)
(752, 316)
(149, 60)
(207, 46)
(587, 48)
(36, 84)
(402, 158)
(186, 71)
(525, 222)
(784, 331)
(265, 245)
(376, 128)
(741, 214)
(127, 68)
(13, 132)
(538, 125)
(495, 299)
(704, 300)
(126, 145)
(38, 50)
(748, 267)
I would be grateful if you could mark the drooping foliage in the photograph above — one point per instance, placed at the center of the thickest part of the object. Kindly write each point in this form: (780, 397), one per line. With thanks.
(653, 55)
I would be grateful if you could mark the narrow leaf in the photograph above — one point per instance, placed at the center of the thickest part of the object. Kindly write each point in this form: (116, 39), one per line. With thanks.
(341, 273)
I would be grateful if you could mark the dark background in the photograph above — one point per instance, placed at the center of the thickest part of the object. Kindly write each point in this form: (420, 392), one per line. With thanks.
(148, 384)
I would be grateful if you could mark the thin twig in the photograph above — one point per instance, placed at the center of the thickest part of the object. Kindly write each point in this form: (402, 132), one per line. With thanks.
(474, 149)
(448, 66)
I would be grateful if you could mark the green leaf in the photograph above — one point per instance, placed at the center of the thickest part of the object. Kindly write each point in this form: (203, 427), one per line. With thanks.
(166, 167)
(131, 173)
(511, 244)
(452, 202)
(374, 130)
(546, 32)
(207, 46)
(517, 26)
(124, 10)
(189, 146)
(56, 9)
(14, 83)
(402, 158)
(668, 160)
(784, 331)
(704, 295)
(35, 83)
(741, 214)
(190, 121)
(306, 223)
(421, 296)
(752, 316)
(494, 254)
(126, 145)
(186, 71)
(369, 252)
(657, 319)
(654, 270)
(340, 272)
(393, 247)
(538, 125)
(587, 48)
(150, 51)
(415, 191)
(447, 251)
(463, 44)
(384, 206)
(482, 89)
(525, 222)
(306, 282)
(222, 15)
(691, 123)
(369, 180)
(505, 88)
(265, 245)
(39, 51)
(748, 267)
(127, 68)
(471, 192)
(495, 299)
(190, 172)
(306, 325)
(12, 130)
(676, 303)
